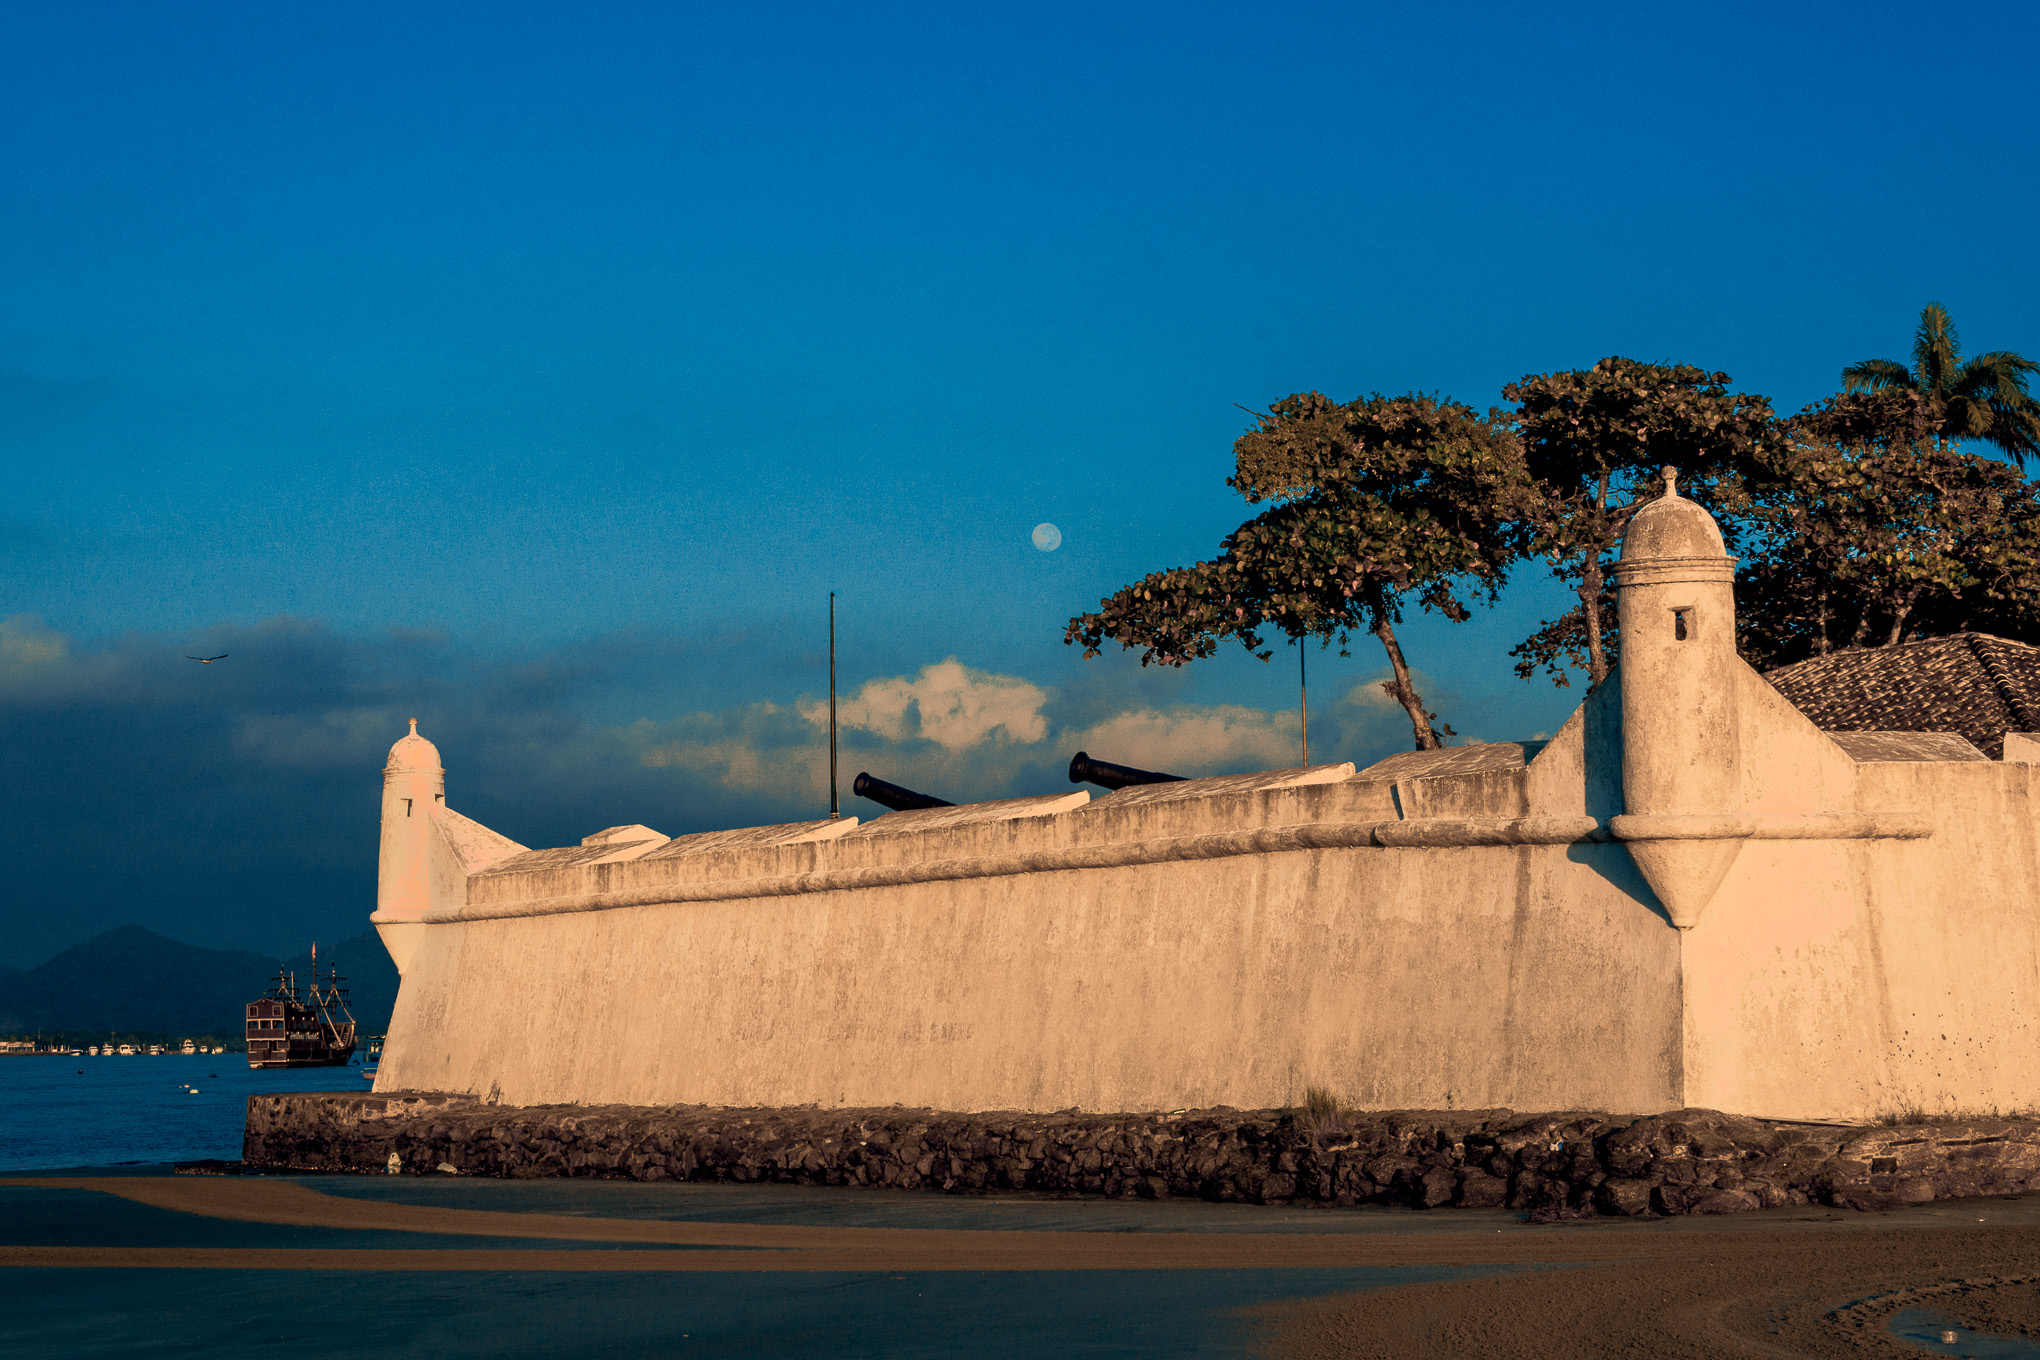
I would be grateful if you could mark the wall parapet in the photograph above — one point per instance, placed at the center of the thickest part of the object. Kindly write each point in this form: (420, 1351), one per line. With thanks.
(1416, 833)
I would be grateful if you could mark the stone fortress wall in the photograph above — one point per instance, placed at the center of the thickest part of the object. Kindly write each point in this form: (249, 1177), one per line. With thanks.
(1689, 897)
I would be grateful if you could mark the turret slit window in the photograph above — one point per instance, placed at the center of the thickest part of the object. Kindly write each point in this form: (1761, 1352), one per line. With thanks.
(407, 802)
(1679, 630)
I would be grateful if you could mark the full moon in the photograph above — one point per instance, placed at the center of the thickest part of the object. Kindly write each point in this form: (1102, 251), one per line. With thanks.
(1047, 537)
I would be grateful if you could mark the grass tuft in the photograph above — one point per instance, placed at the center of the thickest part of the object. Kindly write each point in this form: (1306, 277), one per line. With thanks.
(1322, 1110)
(1912, 1112)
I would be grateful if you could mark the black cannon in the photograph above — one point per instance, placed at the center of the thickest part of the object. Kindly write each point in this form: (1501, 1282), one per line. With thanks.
(893, 796)
(1084, 770)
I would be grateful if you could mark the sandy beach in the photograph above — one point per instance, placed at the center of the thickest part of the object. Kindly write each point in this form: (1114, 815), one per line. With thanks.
(1758, 1292)
(1787, 1283)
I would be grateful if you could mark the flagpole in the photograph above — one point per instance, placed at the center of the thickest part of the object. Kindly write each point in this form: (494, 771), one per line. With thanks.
(1303, 687)
(833, 812)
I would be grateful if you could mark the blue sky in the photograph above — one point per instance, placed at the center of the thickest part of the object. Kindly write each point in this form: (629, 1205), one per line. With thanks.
(537, 369)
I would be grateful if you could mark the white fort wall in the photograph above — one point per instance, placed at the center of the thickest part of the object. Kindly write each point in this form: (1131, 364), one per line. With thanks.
(1874, 945)
(1853, 977)
(1447, 976)
(1689, 897)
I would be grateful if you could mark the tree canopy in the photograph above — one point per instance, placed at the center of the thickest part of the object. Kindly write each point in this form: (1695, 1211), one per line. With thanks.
(1593, 443)
(1860, 520)
(1866, 530)
(1982, 398)
(1375, 503)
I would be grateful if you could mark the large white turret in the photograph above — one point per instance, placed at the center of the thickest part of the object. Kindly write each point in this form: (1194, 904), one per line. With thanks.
(413, 784)
(1681, 737)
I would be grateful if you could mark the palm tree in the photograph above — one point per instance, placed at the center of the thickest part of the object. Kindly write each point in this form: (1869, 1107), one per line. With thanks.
(1982, 398)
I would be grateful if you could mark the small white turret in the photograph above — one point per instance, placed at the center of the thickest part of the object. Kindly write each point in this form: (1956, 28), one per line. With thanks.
(413, 784)
(1681, 734)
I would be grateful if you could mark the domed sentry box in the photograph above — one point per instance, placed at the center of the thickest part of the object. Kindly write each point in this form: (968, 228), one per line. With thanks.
(1681, 743)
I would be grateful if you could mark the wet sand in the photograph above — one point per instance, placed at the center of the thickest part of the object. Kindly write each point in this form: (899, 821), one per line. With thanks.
(749, 1247)
(1756, 1293)
(1789, 1283)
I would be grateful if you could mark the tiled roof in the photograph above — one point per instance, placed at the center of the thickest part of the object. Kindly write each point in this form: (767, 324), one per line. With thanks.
(1972, 684)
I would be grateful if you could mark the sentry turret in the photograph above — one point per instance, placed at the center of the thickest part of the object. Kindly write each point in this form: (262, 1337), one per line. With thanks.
(1681, 729)
(414, 782)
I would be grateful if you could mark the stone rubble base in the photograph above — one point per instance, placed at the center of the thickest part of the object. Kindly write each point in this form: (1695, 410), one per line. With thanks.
(1552, 1166)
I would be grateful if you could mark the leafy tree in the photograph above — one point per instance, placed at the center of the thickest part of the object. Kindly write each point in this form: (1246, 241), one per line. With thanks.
(1869, 530)
(1372, 503)
(1594, 441)
(1982, 398)
(1562, 645)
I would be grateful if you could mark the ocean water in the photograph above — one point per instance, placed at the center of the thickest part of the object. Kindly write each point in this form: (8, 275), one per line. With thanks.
(1938, 1334)
(57, 1113)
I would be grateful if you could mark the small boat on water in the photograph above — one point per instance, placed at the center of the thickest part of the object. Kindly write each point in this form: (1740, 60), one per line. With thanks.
(289, 1026)
(373, 1061)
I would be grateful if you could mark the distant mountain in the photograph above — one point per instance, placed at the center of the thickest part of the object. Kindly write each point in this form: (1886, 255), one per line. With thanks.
(134, 979)
(130, 978)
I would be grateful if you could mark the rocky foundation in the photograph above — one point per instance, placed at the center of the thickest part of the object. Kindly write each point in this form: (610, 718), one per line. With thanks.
(1563, 1165)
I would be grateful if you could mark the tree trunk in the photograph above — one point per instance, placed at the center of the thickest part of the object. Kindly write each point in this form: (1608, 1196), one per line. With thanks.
(1403, 692)
(1590, 602)
(1590, 597)
(1898, 621)
(1820, 641)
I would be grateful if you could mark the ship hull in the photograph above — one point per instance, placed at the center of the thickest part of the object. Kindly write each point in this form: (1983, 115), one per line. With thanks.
(336, 1059)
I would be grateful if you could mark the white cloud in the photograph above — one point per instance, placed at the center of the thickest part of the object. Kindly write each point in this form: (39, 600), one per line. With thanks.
(25, 641)
(949, 704)
(1369, 695)
(966, 734)
(932, 731)
(761, 749)
(32, 655)
(1195, 739)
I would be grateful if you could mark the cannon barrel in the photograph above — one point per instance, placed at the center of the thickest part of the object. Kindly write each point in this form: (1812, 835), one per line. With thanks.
(893, 796)
(1084, 770)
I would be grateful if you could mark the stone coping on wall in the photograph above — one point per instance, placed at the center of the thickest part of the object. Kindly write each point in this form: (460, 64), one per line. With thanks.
(1473, 796)
(921, 821)
(1415, 833)
(1224, 786)
(1565, 1164)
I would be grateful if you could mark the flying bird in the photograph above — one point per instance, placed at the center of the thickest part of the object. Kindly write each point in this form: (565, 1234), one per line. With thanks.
(207, 660)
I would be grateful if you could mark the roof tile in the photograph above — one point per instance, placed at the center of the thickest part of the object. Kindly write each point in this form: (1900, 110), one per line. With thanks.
(1972, 684)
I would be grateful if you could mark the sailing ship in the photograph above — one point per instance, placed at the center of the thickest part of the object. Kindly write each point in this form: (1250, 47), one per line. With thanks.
(308, 1027)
